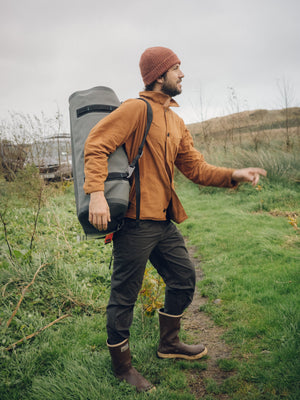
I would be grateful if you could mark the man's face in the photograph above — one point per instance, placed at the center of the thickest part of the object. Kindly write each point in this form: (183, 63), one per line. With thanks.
(172, 81)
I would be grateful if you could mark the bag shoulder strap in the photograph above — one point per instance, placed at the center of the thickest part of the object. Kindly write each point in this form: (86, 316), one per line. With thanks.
(134, 166)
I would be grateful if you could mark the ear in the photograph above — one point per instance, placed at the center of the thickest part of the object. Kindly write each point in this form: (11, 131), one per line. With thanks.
(160, 80)
(158, 84)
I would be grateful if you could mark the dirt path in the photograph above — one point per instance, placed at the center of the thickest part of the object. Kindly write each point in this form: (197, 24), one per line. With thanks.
(200, 328)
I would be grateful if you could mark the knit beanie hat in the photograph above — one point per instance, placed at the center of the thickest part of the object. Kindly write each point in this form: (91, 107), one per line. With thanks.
(155, 61)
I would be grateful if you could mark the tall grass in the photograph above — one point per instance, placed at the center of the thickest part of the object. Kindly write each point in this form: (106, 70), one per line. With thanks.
(68, 359)
(250, 257)
(265, 148)
(280, 165)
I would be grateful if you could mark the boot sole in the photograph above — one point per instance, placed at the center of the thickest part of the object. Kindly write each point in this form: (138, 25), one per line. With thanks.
(183, 356)
(150, 388)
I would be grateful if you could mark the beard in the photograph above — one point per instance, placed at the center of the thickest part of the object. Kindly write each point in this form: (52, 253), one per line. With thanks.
(170, 89)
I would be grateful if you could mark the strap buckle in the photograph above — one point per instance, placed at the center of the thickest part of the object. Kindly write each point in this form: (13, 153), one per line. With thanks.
(130, 171)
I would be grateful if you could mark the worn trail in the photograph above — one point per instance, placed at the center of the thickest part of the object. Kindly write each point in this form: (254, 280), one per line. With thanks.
(200, 328)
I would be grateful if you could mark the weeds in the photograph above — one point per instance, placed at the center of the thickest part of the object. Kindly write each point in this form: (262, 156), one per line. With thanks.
(152, 292)
(293, 220)
(54, 290)
(252, 266)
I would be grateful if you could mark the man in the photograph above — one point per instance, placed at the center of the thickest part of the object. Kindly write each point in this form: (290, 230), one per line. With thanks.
(155, 237)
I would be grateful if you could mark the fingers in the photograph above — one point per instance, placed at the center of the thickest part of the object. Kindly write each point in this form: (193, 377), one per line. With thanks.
(100, 222)
(255, 179)
(260, 171)
(99, 219)
(256, 172)
(99, 214)
(251, 175)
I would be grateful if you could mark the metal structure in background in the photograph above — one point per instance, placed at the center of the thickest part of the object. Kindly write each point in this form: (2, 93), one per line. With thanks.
(52, 156)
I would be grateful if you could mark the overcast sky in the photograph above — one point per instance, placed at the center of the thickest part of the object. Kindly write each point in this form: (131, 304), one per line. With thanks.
(50, 49)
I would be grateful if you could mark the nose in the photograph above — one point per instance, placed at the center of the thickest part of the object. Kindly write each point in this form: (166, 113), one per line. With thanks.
(181, 74)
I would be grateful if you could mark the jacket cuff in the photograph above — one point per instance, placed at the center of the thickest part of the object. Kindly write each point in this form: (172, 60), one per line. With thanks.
(93, 188)
(233, 184)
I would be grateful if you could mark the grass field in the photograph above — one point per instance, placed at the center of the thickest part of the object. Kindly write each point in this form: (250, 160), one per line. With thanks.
(248, 242)
(251, 257)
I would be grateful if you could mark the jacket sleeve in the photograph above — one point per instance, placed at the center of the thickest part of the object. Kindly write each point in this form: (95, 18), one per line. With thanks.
(104, 138)
(192, 164)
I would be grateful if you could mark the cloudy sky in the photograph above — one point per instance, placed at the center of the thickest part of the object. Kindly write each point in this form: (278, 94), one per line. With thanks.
(50, 49)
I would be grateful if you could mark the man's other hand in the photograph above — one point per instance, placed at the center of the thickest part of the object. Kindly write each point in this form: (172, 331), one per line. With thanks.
(99, 214)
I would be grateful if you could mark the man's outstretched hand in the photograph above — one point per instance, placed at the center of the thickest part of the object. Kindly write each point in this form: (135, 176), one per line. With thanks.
(248, 175)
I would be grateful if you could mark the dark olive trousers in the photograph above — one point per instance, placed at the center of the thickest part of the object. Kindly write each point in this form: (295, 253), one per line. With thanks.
(134, 245)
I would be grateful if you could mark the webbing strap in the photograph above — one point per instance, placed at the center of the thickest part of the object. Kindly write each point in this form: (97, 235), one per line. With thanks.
(149, 121)
(137, 192)
(112, 176)
(135, 163)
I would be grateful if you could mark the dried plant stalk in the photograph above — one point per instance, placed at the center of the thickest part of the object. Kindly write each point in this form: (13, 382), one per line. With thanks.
(37, 332)
(23, 294)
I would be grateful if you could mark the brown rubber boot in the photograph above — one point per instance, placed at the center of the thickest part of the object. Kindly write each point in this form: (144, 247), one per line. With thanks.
(170, 345)
(123, 370)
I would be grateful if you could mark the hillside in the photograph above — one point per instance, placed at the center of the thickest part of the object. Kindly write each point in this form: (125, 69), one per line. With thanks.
(248, 121)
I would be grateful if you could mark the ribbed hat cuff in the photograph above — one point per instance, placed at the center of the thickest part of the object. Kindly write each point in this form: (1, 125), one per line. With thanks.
(160, 69)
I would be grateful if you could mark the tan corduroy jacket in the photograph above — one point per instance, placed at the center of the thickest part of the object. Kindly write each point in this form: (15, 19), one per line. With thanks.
(168, 143)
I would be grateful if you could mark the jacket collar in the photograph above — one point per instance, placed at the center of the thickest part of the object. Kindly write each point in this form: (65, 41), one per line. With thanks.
(160, 98)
